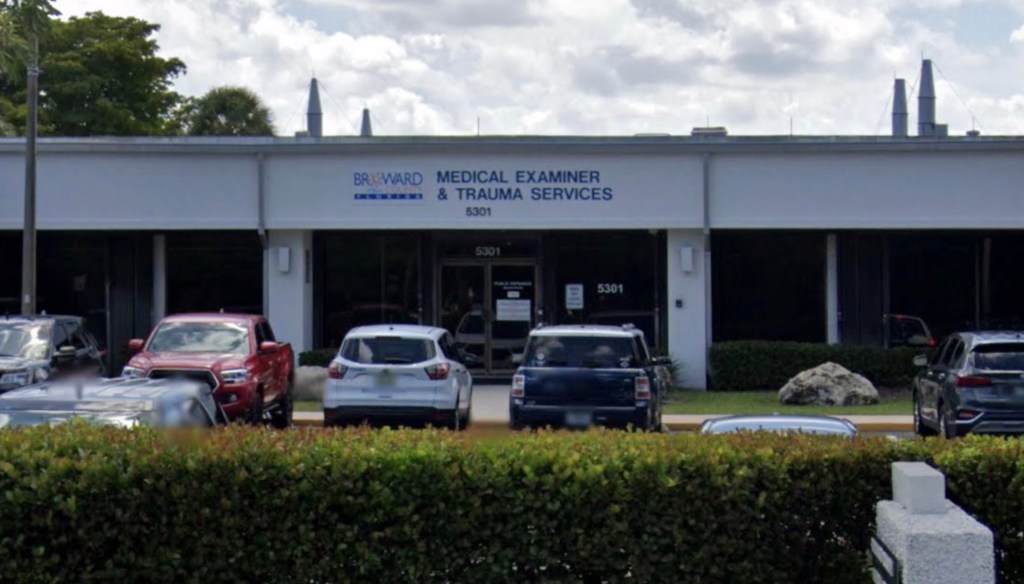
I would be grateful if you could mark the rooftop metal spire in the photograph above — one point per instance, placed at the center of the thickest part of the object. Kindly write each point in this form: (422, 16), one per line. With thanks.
(899, 109)
(366, 130)
(314, 113)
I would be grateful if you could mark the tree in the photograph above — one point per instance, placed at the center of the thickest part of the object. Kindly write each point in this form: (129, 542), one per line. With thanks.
(228, 111)
(101, 77)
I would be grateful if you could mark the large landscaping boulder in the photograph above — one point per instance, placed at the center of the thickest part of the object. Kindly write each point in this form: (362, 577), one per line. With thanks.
(830, 385)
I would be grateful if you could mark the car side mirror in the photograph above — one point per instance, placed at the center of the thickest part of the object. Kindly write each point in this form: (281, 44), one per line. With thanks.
(661, 361)
(135, 345)
(921, 361)
(269, 347)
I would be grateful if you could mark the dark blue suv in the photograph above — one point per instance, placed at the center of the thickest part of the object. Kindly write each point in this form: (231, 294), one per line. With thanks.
(584, 375)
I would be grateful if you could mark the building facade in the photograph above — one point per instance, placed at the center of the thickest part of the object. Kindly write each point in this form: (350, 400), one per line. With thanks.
(694, 239)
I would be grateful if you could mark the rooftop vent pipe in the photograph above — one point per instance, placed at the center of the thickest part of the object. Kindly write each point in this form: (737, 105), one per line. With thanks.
(899, 109)
(366, 130)
(314, 114)
(926, 102)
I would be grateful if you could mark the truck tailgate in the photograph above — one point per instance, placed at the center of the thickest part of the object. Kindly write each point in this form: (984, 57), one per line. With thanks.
(579, 387)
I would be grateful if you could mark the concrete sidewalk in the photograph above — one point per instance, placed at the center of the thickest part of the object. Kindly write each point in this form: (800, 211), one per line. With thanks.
(490, 409)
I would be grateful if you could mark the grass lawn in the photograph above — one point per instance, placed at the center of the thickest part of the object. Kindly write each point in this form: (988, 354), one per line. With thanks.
(309, 406)
(767, 402)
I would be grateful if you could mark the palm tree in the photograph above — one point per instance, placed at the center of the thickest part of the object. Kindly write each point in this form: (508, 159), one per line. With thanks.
(229, 111)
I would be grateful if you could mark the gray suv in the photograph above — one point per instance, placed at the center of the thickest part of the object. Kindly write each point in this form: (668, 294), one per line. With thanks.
(972, 383)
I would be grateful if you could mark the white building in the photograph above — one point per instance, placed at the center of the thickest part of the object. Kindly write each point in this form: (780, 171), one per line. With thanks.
(695, 239)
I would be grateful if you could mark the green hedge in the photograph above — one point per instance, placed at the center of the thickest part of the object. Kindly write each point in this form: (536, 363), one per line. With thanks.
(87, 504)
(768, 365)
(317, 357)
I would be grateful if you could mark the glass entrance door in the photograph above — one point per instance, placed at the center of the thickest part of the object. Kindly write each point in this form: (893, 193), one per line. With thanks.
(489, 308)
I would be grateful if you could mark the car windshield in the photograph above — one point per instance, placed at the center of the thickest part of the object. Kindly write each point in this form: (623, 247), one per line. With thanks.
(26, 340)
(580, 351)
(1000, 357)
(387, 350)
(201, 337)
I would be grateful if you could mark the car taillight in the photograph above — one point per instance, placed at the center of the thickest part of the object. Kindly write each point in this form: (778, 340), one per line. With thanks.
(966, 414)
(336, 370)
(643, 388)
(931, 342)
(518, 385)
(439, 372)
(972, 381)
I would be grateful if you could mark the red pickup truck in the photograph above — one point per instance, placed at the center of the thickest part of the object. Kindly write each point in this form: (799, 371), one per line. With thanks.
(235, 354)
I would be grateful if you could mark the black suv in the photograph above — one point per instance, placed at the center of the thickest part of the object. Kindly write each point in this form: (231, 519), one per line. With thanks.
(37, 348)
(973, 382)
(583, 375)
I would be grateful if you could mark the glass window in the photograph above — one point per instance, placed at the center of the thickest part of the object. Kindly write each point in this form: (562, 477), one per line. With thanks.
(26, 340)
(581, 351)
(947, 353)
(201, 337)
(207, 272)
(769, 286)
(608, 278)
(999, 357)
(936, 356)
(366, 278)
(387, 350)
(958, 352)
(268, 333)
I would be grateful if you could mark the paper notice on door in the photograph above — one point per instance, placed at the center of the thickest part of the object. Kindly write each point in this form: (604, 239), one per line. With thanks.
(513, 310)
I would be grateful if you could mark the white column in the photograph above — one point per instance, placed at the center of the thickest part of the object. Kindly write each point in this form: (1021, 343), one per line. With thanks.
(831, 289)
(688, 304)
(289, 294)
(159, 278)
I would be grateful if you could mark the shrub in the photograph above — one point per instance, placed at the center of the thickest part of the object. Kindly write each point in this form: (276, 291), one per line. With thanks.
(317, 357)
(768, 365)
(252, 505)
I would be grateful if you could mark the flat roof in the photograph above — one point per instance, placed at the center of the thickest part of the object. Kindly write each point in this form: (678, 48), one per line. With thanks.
(657, 144)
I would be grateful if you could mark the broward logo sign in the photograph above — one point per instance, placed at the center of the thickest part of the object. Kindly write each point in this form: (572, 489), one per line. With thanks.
(388, 186)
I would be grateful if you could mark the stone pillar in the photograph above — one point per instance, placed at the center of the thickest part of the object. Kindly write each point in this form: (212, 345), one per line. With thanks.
(159, 278)
(922, 529)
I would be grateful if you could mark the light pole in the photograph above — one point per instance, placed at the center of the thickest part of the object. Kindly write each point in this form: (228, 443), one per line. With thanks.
(28, 243)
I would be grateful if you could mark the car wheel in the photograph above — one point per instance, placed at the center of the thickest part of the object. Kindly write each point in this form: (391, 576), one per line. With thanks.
(919, 426)
(947, 427)
(255, 414)
(282, 415)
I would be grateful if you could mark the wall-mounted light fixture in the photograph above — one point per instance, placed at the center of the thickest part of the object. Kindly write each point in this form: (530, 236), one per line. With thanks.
(686, 259)
(284, 259)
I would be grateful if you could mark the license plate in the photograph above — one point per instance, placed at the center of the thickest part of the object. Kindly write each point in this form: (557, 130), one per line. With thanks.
(578, 419)
(386, 379)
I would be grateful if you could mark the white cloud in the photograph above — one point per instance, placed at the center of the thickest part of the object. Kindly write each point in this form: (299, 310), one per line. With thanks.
(1018, 35)
(601, 67)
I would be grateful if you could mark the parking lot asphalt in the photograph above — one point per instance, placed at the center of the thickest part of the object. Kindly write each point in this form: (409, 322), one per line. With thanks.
(490, 408)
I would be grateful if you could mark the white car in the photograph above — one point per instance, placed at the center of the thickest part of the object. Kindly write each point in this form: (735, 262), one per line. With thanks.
(398, 373)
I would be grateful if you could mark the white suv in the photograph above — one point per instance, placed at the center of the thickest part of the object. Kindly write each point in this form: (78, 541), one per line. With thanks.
(398, 373)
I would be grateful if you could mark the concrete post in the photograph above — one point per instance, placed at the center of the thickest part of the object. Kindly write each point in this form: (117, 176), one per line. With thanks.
(921, 527)
(687, 304)
(831, 289)
(289, 294)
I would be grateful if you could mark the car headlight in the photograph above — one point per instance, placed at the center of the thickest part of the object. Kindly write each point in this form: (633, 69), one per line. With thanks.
(16, 378)
(131, 373)
(234, 375)
(40, 374)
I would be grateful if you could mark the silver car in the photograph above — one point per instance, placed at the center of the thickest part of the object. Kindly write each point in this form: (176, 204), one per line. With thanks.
(401, 374)
(827, 425)
(119, 402)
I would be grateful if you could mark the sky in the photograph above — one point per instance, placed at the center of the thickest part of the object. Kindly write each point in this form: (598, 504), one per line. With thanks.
(599, 67)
